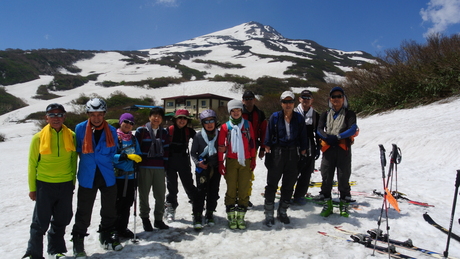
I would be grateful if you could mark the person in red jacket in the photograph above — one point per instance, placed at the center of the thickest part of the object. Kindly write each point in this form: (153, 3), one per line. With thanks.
(259, 124)
(236, 142)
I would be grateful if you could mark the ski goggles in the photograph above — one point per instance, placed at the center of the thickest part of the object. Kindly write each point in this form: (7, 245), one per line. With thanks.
(54, 115)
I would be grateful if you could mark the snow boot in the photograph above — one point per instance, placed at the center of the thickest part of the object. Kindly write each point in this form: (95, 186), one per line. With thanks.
(109, 240)
(231, 216)
(240, 213)
(343, 206)
(79, 246)
(327, 208)
(147, 224)
(282, 212)
(269, 214)
(197, 222)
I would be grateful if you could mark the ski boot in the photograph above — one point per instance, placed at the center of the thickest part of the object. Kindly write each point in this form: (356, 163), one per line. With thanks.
(327, 208)
(170, 212)
(78, 246)
(197, 222)
(240, 213)
(269, 214)
(210, 219)
(282, 212)
(343, 206)
(109, 240)
(231, 216)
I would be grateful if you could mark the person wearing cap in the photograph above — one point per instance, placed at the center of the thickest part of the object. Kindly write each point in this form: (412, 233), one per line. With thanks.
(259, 124)
(128, 155)
(204, 156)
(154, 143)
(306, 164)
(284, 143)
(179, 162)
(236, 147)
(337, 128)
(51, 175)
(96, 147)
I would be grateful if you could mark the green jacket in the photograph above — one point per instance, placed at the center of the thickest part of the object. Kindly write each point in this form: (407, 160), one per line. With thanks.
(58, 167)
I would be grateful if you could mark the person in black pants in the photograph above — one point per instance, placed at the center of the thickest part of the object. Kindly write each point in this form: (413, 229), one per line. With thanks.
(285, 138)
(179, 162)
(204, 155)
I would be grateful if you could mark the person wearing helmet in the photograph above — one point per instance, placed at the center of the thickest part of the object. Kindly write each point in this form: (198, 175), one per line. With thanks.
(96, 146)
(204, 156)
(236, 146)
(337, 128)
(179, 162)
(51, 174)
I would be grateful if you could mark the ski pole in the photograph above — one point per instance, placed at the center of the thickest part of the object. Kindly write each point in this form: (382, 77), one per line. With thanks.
(383, 162)
(134, 240)
(457, 183)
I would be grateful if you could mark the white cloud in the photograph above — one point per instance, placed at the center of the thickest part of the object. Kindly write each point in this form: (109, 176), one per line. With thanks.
(441, 13)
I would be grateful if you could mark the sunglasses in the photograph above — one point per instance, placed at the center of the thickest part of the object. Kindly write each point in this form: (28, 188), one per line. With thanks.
(288, 101)
(339, 96)
(306, 97)
(248, 99)
(209, 121)
(53, 115)
(128, 122)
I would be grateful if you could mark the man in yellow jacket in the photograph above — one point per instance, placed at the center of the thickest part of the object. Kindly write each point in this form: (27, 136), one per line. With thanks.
(51, 176)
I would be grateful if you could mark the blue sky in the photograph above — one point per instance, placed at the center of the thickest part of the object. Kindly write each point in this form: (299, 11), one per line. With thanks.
(368, 25)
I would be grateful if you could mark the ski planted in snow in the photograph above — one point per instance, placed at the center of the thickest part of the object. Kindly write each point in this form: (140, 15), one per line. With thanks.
(436, 225)
(391, 250)
(377, 234)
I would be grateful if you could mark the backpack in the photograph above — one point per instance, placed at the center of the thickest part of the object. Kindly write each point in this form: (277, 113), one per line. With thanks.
(171, 133)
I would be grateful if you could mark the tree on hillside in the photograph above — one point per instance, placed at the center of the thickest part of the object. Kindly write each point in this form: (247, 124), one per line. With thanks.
(407, 76)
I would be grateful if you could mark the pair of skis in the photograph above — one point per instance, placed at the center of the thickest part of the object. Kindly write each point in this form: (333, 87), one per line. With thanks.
(367, 239)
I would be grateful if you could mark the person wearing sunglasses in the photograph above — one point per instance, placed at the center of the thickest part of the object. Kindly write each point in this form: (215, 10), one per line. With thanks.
(204, 156)
(51, 176)
(284, 143)
(337, 128)
(306, 164)
(127, 157)
(259, 123)
(179, 162)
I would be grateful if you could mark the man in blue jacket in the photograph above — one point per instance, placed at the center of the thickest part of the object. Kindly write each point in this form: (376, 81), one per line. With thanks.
(96, 146)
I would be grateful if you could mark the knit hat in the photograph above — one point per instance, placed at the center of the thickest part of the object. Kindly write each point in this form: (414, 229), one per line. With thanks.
(182, 113)
(126, 116)
(286, 94)
(234, 104)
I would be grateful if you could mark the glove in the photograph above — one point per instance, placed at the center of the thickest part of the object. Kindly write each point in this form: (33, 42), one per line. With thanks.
(253, 164)
(123, 157)
(135, 158)
(332, 140)
(222, 169)
(318, 152)
(302, 162)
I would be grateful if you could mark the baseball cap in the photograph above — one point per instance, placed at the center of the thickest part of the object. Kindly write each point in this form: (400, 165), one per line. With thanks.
(306, 93)
(248, 94)
(55, 106)
(286, 94)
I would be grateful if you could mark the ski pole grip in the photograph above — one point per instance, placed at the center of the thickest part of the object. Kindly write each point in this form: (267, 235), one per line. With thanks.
(457, 182)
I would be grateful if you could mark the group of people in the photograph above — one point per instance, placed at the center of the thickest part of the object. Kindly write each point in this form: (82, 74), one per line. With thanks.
(121, 165)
